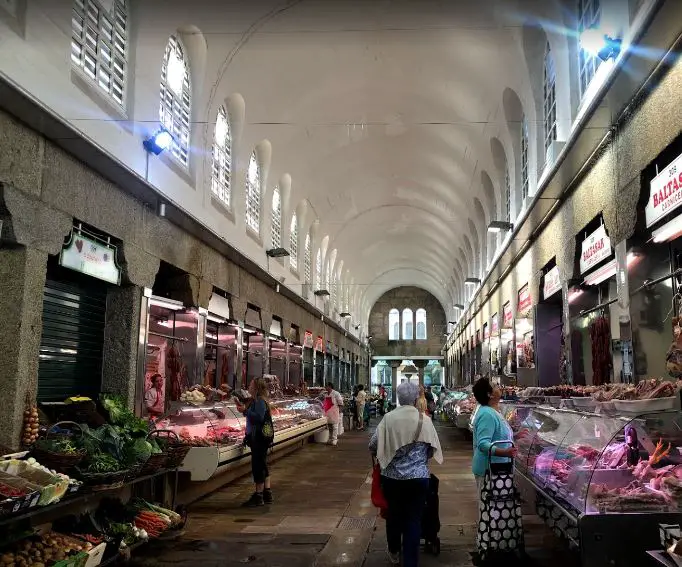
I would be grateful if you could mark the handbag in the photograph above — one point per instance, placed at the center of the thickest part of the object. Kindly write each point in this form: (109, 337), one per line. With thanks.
(500, 528)
(378, 498)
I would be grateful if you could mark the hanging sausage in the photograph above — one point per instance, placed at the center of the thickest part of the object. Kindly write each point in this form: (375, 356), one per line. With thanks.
(600, 337)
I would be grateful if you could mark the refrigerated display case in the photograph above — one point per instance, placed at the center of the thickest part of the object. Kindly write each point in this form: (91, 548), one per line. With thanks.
(597, 476)
(216, 431)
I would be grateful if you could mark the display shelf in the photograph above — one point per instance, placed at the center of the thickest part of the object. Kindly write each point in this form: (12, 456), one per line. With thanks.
(216, 431)
(78, 498)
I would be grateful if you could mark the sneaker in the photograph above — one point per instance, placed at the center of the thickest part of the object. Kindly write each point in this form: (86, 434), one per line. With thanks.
(334, 443)
(267, 496)
(394, 558)
(255, 501)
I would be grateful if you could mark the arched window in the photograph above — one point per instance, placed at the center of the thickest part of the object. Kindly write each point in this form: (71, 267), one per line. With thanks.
(589, 15)
(222, 158)
(421, 324)
(307, 260)
(253, 194)
(394, 325)
(276, 224)
(507, 195)
(176, 99)
(99, 45)
(524, 159)
(318, 270)
(549, 98)
(408, 325)
(293, 242)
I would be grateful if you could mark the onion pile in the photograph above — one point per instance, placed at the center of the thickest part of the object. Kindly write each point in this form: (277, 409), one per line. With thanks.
(31, 425)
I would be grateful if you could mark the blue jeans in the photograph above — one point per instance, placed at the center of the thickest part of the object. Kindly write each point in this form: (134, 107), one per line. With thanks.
(406, 501)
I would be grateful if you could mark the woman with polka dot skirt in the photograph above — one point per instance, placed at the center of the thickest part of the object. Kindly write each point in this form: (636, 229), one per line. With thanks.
(500, 527)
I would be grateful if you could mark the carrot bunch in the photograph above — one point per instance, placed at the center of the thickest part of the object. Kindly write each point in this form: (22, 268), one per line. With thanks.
(154, 523)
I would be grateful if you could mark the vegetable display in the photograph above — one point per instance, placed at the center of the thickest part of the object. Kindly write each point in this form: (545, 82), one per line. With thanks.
(43, 551)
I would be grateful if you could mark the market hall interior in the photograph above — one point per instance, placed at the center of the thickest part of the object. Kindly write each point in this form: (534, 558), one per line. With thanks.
(358, 192)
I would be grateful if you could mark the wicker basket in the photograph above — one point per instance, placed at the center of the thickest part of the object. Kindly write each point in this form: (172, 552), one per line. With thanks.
(103, 481)
(60, 462)
(157, 461)
(174, 450)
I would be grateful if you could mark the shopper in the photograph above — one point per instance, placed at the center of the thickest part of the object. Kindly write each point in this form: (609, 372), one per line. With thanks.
(403, 443)
(422, 404)
(361, 400)
(259, 437)
(382, 400)
(354, 407)
(493, 454)
(333, 401)
(430, 400)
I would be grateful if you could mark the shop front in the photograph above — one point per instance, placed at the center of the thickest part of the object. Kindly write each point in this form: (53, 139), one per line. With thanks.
(495, 346)
(74, 315)
(222, 349)
(524, 335)
(549, 323)
(308, 358)
(507, 339)
(319, 362)
(277, 357)
(294, 379)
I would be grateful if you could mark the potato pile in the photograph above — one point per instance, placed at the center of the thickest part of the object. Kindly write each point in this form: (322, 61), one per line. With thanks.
(31, 425)
(50, 549)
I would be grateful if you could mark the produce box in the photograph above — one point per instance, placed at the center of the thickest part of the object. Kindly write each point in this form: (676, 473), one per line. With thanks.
(95, 555)
(10, 504)
(669, 533)
(75, 561)
(52, 487)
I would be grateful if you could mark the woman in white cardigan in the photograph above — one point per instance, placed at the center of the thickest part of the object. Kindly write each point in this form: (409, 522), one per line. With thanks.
(403, 443)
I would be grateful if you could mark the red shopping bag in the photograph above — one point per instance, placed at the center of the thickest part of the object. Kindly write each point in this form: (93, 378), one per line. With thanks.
(378, 498)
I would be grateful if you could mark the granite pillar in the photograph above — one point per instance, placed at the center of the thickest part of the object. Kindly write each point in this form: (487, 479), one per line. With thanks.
(22, 279)
(121, 342)
(394, 380)
(421, 364)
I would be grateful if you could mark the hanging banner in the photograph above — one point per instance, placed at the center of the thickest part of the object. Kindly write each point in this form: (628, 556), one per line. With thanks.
(87, 256)
(319, 344)
(665, 193)
(595, 249)
(496, 324)
(478, 337)
(507, 316)
(486, 332)
(308, 340)
(524, 300)
(552, 283)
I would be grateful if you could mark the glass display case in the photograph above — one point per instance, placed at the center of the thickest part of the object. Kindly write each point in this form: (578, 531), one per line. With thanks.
(597, 464)
(216, 430)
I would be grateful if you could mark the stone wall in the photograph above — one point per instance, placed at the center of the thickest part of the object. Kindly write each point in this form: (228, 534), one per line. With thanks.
(42, 190)
(403, 298)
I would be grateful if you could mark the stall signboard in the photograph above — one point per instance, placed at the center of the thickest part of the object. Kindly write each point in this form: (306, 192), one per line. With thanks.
(486, 332)
(495, 324)
(308, 340)
(595, 249)
(552, 283)
(507, 316)
(319, 344)
(87, 256)
(524, 300)
(665, 192)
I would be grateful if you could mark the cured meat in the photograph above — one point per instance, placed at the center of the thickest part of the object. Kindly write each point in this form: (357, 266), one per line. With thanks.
(634, 495)
(600, 336)
(174, 372)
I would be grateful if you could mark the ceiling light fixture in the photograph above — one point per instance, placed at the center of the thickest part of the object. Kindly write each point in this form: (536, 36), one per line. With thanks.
(158, 142)
(472, 281)
(499, 226)
(600, 44)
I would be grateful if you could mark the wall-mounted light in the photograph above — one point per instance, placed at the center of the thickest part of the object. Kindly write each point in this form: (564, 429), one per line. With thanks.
(161, 209)
(600, 44)
(472, 281)
(499, 226)
(158, 142)
(277, 252)
(322, 293)
(459, 306)
(344, 314)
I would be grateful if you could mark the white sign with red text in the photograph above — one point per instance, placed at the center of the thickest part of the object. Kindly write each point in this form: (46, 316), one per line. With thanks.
(665, 193)
(595, 249)
(552, 282)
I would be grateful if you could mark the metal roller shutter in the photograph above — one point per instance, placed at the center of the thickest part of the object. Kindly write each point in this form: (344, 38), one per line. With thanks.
(72, 340)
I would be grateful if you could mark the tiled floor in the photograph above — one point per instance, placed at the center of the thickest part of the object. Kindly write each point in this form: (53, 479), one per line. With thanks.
(323, 517)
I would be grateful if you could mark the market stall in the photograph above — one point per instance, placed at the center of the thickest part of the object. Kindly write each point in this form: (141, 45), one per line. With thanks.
(549, 322)
(507, 338)
(495, 346)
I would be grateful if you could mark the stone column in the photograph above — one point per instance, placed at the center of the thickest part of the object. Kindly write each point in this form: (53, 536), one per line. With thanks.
(421, 364)
(22, 279)
(121, 342)
(394, 380)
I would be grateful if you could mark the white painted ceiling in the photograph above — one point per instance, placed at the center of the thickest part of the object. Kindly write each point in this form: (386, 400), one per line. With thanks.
(382, 113)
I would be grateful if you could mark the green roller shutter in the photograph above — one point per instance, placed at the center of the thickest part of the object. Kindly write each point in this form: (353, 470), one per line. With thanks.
(72, 340)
